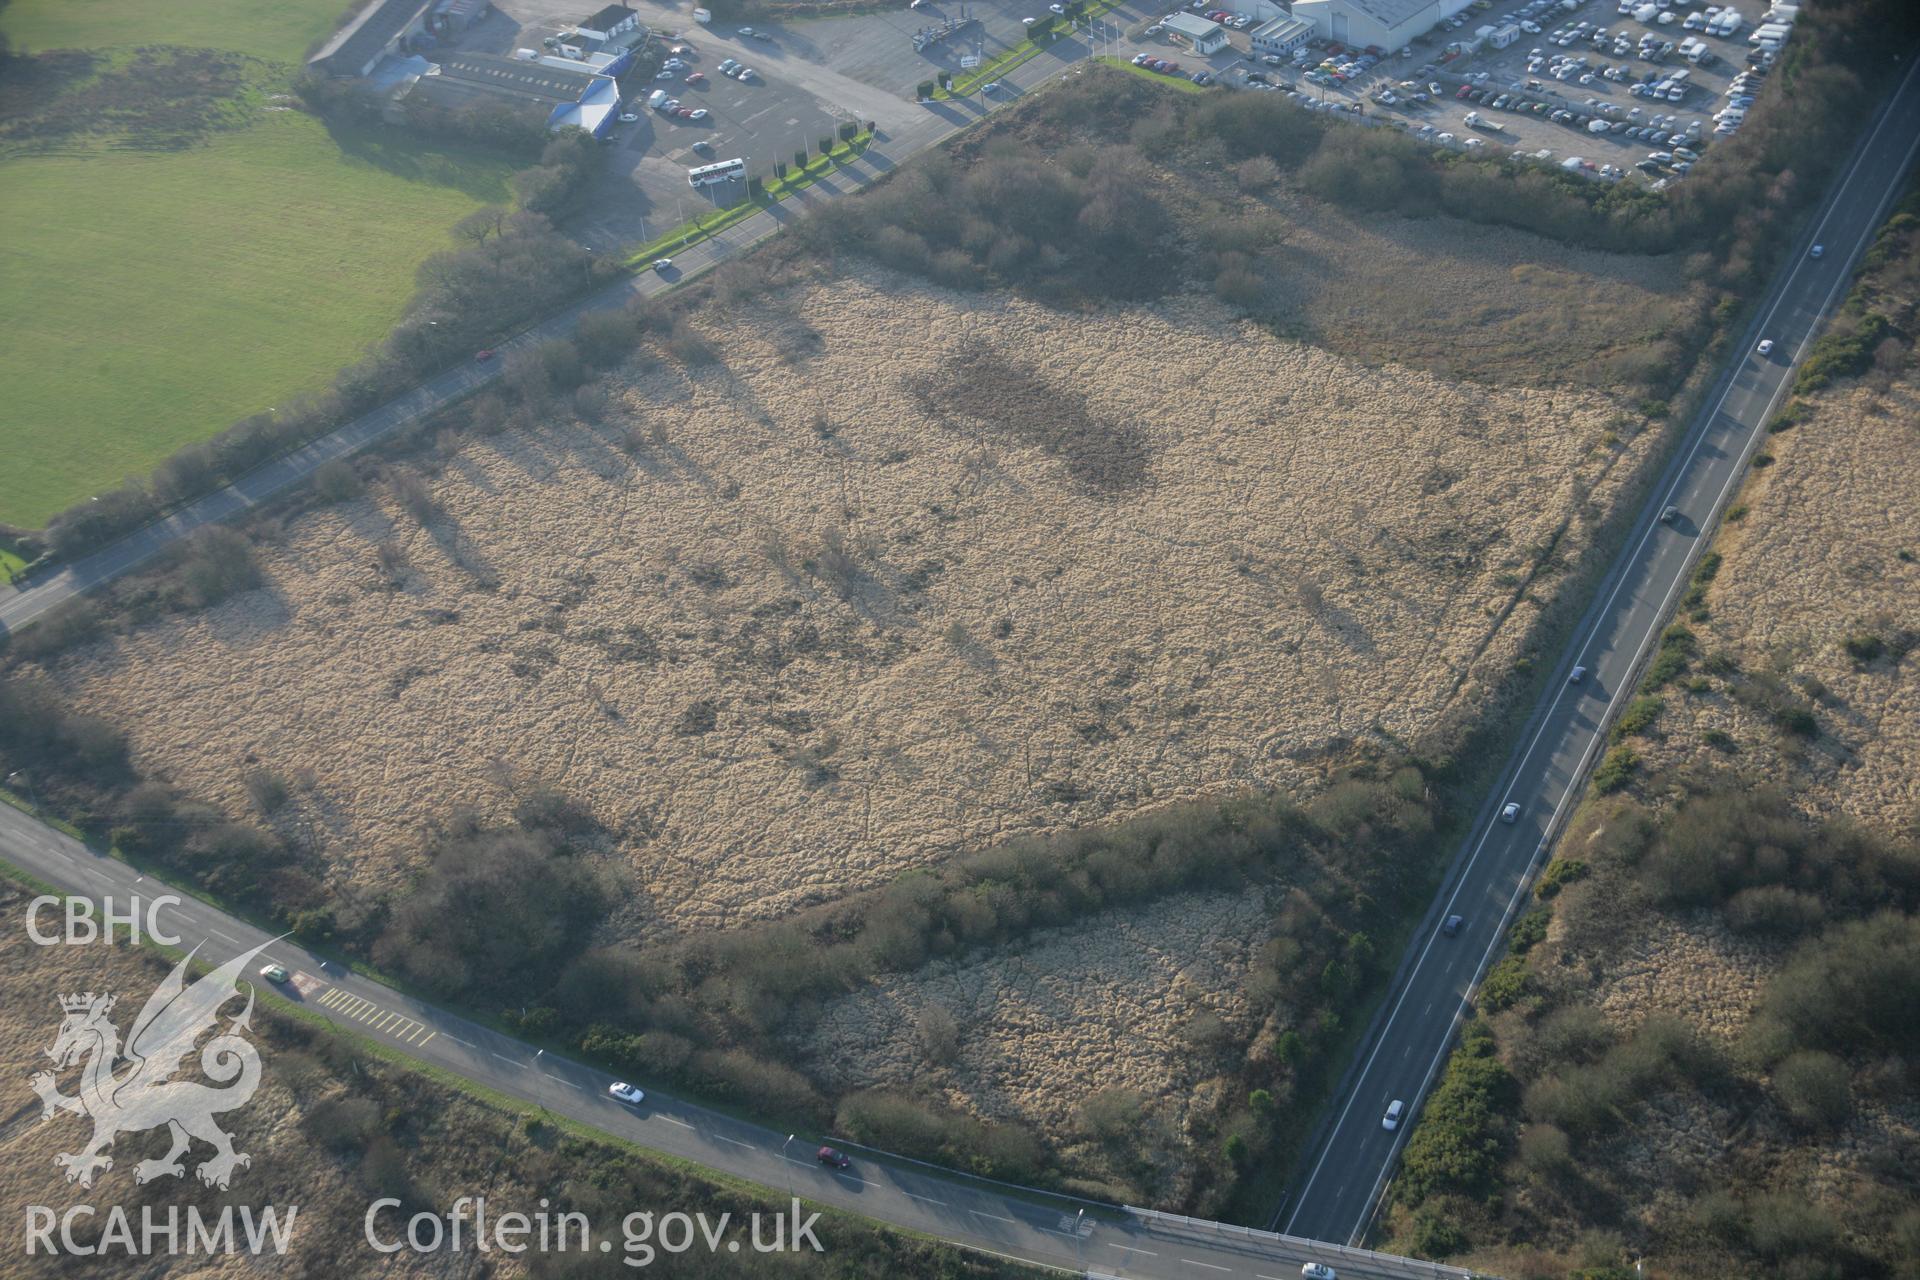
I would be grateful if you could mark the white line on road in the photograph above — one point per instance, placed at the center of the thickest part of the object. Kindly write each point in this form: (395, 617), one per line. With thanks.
(670, 1120)
(858, 1182)
(1130, 1249)
(456, 1039)
(735, 1141)
(559, 1080)
(996, 1217)
(216, 933)
(509, 1061)
(924, 1199)
(1208, 1265)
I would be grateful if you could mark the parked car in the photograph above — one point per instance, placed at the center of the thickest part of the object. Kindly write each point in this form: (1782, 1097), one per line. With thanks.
(697, 77)
(704, 147)
(628, 117)
(624, 1092)
(483, 356)
(832, 1158)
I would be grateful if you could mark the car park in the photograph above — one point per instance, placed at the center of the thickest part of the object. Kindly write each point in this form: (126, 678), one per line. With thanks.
(624, 1092)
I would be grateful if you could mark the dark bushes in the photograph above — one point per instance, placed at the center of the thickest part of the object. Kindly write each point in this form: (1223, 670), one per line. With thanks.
(1465, 1126)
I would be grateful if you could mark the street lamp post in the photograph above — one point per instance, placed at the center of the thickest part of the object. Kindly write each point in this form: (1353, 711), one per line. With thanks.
(786, 1164)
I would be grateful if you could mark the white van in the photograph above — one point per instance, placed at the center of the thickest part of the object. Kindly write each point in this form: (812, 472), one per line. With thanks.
(703, 16)
(655, 98)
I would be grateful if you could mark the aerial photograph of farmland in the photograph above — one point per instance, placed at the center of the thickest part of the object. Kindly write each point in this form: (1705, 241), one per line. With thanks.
(846, 639)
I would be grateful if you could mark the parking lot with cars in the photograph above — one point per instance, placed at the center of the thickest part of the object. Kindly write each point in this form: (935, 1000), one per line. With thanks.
(1625, 85)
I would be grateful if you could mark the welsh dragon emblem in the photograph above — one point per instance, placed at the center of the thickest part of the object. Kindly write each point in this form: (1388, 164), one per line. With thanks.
(132, 1089)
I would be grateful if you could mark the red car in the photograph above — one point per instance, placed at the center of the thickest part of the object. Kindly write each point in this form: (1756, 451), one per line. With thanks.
(483, 356)
(697, 77)
(684, 113)
(831, 1158)
(1465, 89)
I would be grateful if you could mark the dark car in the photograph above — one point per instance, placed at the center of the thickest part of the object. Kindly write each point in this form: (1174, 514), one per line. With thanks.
(1452, 926)
(831, 1158)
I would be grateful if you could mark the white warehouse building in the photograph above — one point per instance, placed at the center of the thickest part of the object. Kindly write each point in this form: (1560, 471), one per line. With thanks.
(1385, 24)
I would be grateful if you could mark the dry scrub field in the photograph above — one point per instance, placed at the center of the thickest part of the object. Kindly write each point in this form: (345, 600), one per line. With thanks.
(909, 571)
(1817, 560)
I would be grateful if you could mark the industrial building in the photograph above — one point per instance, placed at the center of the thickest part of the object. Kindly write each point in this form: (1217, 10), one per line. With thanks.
(563, 93)
(1383, 24)
(1281, 36)
(393, 27)
(1203, 36)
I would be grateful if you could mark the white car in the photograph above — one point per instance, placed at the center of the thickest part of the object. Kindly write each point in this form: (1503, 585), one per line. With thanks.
(1816, 251)
(1391, 1120)
(1766, 346)
(1056, 8)
(746, 33)
(624, 1092)
(663, 265)
(1510, 814)
(627, 117)
(1318, 1271)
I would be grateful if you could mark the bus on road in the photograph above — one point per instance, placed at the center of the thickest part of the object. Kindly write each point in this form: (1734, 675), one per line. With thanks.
(707, 175)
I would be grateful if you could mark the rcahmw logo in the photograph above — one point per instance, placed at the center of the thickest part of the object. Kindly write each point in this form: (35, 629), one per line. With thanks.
(131, 1089)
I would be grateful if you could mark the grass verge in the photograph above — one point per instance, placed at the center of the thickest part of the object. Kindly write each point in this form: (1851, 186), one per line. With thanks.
(774, 191)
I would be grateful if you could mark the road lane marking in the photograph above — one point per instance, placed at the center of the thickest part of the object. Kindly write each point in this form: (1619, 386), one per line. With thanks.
(996, 1217)
(216, 933)
(1194, 1262)
(735, 1141)
(670, 1120)
(856, 1181)
(1679, 472)
(1130, 1249)
(456, 1039)
(925, 1199)
(508, 1061)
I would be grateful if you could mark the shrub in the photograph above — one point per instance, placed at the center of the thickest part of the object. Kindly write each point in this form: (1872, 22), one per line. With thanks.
(336, 481)
(1465, 1124)
(1814, 1089)
(1505, 983)
(1639, 716)
(1851, 989)
(1560, 873)
(1616, 770)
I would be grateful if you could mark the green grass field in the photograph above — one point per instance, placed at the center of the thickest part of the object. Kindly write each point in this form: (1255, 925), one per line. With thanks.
(152, 298)
(277, 30)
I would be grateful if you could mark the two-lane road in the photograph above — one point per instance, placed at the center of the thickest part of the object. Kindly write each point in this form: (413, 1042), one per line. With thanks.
(1349, 1166)
(1051, 1231)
